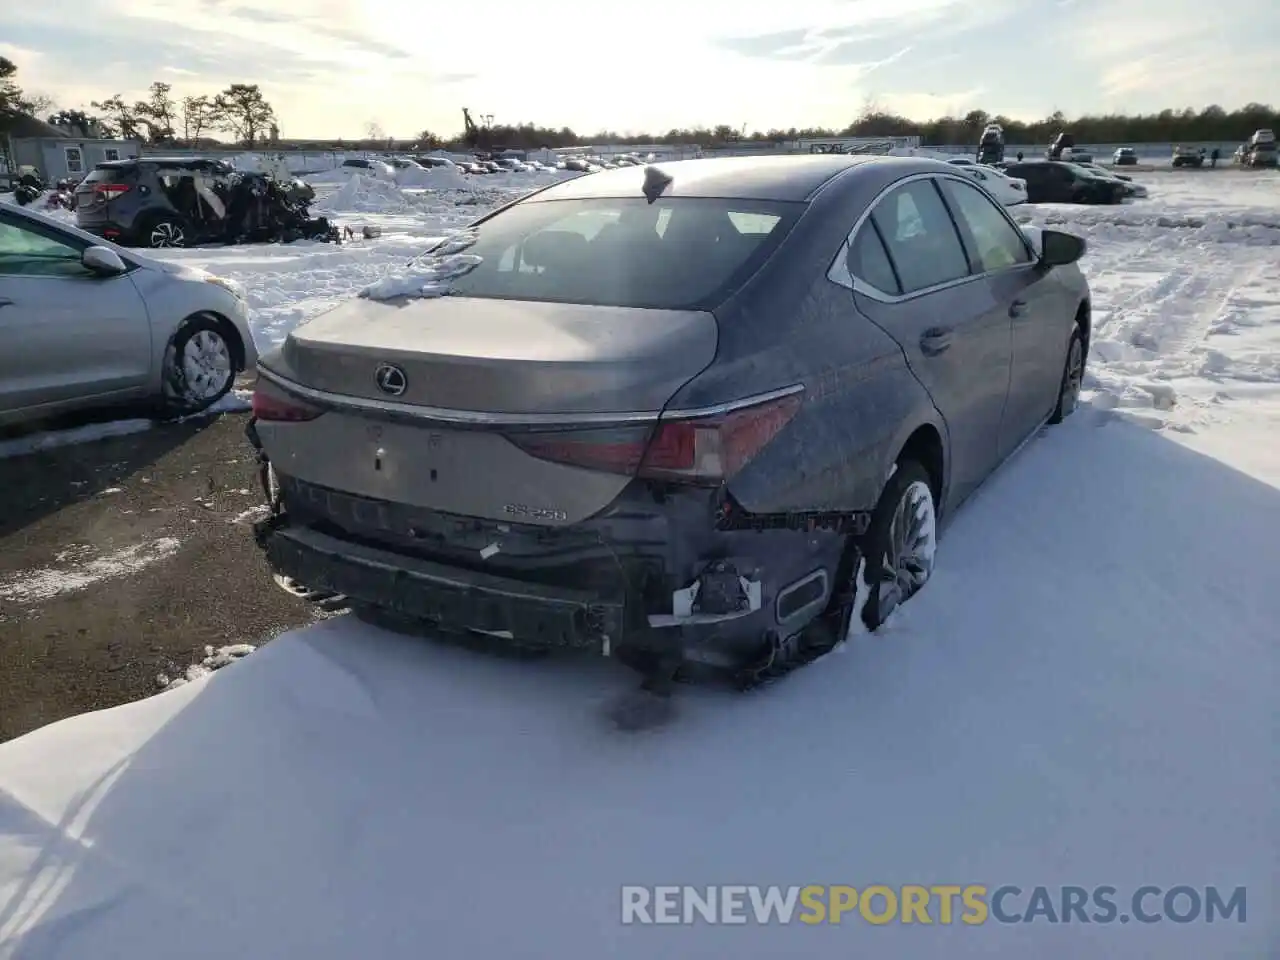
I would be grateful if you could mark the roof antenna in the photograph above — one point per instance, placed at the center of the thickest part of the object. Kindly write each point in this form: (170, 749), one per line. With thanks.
(656, 181)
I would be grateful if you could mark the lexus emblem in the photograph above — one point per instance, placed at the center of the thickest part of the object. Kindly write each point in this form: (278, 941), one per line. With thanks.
(391, 379)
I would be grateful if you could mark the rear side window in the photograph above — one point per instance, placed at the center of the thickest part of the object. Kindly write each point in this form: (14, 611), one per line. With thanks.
(869, 261)
(993, 241)
(675, 254)
(921, 239)
(111, 175)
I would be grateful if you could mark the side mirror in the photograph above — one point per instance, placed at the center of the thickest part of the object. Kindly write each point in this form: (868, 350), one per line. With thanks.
(1057, 249)
(103, 261)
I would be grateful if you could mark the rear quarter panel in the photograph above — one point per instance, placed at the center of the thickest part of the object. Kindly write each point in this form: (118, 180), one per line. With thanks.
(790, 324)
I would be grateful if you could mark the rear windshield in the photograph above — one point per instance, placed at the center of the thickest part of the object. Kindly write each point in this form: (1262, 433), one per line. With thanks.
(675, 254)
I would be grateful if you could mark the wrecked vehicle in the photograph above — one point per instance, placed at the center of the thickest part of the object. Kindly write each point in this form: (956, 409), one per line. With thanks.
(182, 202)
(708, 424)
(991, 146)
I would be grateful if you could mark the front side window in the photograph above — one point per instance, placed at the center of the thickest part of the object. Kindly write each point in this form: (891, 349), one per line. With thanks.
(27, 251)
(676, 254)
(995, 242)
(921, 239)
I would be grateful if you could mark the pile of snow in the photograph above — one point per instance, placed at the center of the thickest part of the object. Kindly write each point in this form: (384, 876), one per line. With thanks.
(346, 792)
(362, 194)
(213, 660)
(377, 170)
(429, 275)
(436, 178)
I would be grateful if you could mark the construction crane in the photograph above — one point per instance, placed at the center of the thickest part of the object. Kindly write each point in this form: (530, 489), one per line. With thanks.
(478, 139)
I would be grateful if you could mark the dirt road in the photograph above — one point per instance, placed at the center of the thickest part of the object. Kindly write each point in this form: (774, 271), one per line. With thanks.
(120, 560)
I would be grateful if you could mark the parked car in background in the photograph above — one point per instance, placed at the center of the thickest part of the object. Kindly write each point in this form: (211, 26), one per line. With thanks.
(1131, 189)
(86, 324)
(374, 168)
(1187, 157)
(1263, 155)
(1052, 181)
(710, 484)
(1125, 157)
(1063, 141)
(991, 144)
(1008, 190)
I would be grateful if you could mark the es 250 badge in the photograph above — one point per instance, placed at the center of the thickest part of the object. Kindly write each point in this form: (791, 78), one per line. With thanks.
(534, 513)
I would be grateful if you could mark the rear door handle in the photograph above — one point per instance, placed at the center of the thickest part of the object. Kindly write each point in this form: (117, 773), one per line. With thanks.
(1017, 307)
(935, 340)
(5, 303)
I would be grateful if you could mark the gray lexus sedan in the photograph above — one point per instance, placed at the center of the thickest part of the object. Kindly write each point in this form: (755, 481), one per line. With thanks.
(702, 412)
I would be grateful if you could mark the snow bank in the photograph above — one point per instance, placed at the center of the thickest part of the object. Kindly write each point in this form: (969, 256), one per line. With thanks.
(214, 659)
(437, 178)
(362, 194)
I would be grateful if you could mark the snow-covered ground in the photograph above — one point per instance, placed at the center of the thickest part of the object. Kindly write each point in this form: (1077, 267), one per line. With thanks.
(1084, 695)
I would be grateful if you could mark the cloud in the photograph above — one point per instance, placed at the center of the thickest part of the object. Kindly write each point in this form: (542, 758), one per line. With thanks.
(330, 66)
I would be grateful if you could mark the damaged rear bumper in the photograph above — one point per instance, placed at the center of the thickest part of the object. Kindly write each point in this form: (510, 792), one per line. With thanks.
(449, 598)
(458, 600)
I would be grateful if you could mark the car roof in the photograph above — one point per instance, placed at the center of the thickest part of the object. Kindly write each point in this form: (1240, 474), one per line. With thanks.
(786, 178)
(193, 162)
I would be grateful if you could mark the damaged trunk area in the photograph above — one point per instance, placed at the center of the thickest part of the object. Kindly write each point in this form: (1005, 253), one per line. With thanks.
(655, 570)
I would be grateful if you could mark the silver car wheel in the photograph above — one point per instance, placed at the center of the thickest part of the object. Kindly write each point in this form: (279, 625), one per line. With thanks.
(206, 366)
(166, 234)
(913, 540)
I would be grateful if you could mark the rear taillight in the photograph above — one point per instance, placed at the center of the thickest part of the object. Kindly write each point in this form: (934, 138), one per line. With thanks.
(273, 406)
(108, 191)
(697, 450)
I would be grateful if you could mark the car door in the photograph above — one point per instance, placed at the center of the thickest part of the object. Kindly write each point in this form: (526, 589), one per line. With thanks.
(913, 280)
(1033, 301)
(1034, 175)
(66, 333)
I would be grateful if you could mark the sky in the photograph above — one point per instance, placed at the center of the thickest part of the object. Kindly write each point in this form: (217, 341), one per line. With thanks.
(333, 68)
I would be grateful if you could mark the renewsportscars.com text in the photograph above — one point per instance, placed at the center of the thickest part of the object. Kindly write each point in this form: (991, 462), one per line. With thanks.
(971, 904)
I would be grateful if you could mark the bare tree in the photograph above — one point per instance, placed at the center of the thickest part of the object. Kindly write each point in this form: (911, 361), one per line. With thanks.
(244, 111)
(39, 104)
(198, 115)
(120, 115)
(158, 112)
(373, 131)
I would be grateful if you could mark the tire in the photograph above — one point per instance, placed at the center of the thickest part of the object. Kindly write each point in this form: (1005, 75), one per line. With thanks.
(1072, 379)
(164, 232)
(199, 366)
(885, 586)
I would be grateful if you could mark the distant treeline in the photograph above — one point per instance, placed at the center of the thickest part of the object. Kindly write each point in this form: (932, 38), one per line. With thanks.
(1167, 126)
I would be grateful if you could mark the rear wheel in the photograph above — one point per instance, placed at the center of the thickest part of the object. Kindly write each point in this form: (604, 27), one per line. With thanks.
(1072, 379)
(897, 549)
(164, 232)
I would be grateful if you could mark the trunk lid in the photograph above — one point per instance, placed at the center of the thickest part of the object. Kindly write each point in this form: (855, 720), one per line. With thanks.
(478, 356)
(501, 356)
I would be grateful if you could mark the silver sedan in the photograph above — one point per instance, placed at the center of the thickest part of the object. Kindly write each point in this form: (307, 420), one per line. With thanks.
(86, 324)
